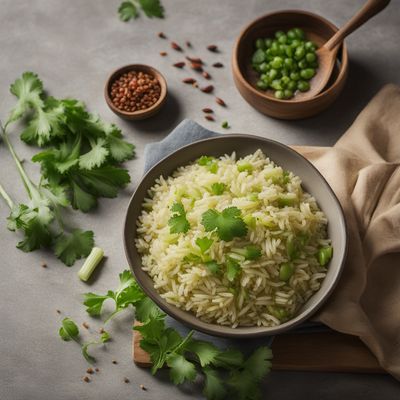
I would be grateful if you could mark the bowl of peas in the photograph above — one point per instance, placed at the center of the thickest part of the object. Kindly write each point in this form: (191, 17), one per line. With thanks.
(275, 58)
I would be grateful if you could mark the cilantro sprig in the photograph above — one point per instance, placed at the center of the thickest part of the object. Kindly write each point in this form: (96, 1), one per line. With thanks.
(228, 224)
(130, 9)
(80, 163)
(178, 222)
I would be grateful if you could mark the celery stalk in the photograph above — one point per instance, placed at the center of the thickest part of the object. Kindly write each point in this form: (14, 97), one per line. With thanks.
(91, 263)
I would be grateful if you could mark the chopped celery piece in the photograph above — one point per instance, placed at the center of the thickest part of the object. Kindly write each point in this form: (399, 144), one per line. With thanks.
(91, 263)
(286, 271)
(324, 255)
(244, 166)
(287, 200)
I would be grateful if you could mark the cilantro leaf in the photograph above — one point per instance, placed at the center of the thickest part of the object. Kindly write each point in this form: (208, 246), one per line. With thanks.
(28, 89)
(120, 150)
(214, 388)
(152, 8)
(69, 330)
(181, 369)
(192, 258)
(81, 199)
(252, 252)
(204, 243)
(146, 309)
(213, 266)
(71, 247)
(229, 358)
(95, 157)
(228, 223)
(209, 162)
(178, 222)
(218, 188)
(232, 269)
(127, 10)
(205, 351)
(94, 303)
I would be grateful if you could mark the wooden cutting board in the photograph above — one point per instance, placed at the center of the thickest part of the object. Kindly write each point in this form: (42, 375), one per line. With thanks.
(321, 351)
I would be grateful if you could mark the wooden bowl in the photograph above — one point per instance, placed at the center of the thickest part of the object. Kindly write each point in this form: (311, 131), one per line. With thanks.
(140, 114)
(317, 29)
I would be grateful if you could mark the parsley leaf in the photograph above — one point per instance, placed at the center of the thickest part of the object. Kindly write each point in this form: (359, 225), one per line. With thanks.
(71, 247)
(204, 243)
(178, 222)
(152, 8)
(228, 223)
(127, 10)
(218, 188)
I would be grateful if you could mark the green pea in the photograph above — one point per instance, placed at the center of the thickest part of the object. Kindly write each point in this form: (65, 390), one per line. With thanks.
(285, 80)
(276, 84)
(286, 270)
(282, 39)
(277, 63)
(292, 85)
(307, 73)
(324, 255)
(258, 57)
(279, 94)
(299, 53)
(288, 63)
(295, 43)
(291, 34)
(288, 93)
(310, 57)
(310, 46)
(260, 44)
(295, 76)
(274, 49)
(282, 49)
(278, 34)
(268, 43)
(302, 64)
(264, 67)
(272, 74)
(289, 51)
(303, 86)
(262, 85)
(299, 33)
(285, 72)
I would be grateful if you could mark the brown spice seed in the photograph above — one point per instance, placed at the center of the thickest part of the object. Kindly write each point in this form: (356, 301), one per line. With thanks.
(207, 110)
(176, 46)
(189, 80)
(58, 311)
(85, 325)
(207, 89)
(188, 44)
(96, 369)
(218, 65)
(179, 64)
(161, 35)
(213, 48)
(44, 265)
(90, 371)
(195, 60)
(197, 67)
(86, 379)
(126, 380)
(163, 53)
(209, 117)
(206, 75)
(114, 362)
(219, 101)
(101, 330)
(142, 387)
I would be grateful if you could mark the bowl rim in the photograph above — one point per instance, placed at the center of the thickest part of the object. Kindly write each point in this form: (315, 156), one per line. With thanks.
(239, 75)
(227, 331)
(140, 68)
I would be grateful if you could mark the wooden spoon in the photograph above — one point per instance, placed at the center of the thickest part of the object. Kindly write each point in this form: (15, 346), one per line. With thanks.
(327, 53)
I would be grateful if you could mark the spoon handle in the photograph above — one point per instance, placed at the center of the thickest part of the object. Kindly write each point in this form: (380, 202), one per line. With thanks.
(370, 8)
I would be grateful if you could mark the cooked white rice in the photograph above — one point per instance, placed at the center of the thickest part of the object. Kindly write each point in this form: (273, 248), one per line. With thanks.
(257, 297)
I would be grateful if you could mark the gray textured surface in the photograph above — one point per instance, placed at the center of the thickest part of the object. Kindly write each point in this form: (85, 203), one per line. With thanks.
(73, 45)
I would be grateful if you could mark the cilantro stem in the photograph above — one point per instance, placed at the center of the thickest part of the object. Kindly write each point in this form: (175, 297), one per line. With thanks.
(6, 197)
(112, 315)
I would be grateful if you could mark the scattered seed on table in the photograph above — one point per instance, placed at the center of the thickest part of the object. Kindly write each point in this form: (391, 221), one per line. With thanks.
(218, 65)
(163, 53)
(225, 125)
(96, 369)
(114, 362)
(179, 64)
(195, 60)
(126, 380)
(90, 371)
(207, 89)
(219, 101)
(206, 75)
(207, 110)
(195, 85)
(85, 325)
(176, 46)
(101, 330)
(213, 48)
(86, 379)
(161, 35)
(142, 387)
(188, 44)
(209, 117)
(196, 67)
(189, 81)
(44, 265)
(58, 311)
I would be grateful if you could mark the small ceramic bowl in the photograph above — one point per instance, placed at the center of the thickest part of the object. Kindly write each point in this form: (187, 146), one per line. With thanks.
(312, 181)
(140, 114)
(317, 29)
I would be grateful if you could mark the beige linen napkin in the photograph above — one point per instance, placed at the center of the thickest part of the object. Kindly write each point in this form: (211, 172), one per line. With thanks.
(363, 168)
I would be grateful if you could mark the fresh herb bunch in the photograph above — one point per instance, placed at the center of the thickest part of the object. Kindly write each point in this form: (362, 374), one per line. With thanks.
(224, 372)
(130, 9)
(79, 165)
